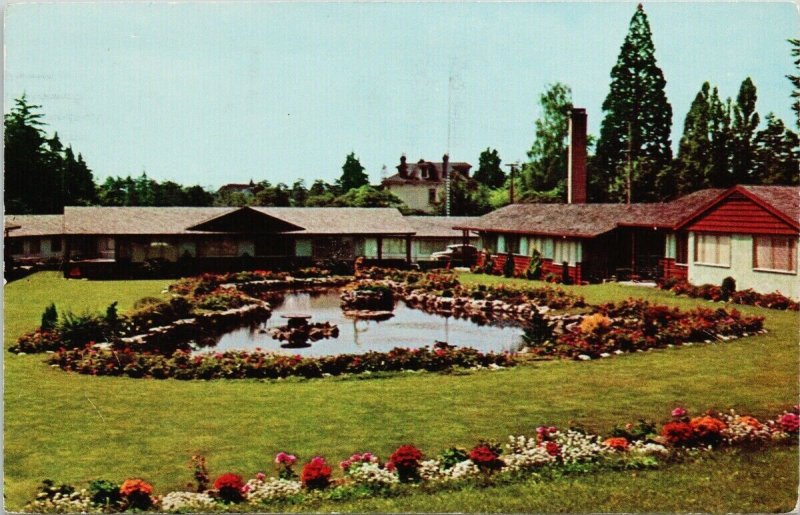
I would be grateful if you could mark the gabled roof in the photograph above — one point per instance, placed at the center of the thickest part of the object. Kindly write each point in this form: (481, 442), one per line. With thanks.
(34, 225)
(438, 226)
(781, 201)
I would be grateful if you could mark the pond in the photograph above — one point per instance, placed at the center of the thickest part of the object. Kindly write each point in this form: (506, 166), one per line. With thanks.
(410, 328)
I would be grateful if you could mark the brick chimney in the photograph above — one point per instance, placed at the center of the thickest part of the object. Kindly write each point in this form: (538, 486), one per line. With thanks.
(402, 168)
(576, 159)
(445, 167)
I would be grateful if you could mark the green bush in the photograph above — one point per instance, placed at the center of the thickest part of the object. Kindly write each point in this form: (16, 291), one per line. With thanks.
(49, 317)
(728, 288)
(78, 330)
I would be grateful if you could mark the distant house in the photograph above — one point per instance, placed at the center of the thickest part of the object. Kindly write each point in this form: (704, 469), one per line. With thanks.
(111, 241)
(749, 233)
(249, 189)
(421, 186)
(435, 233)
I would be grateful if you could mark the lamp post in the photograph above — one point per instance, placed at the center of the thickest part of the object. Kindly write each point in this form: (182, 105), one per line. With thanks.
(513, 167)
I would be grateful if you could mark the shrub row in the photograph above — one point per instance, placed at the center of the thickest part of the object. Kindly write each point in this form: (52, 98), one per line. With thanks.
(549, 452)
(263, 365)
(748, 297)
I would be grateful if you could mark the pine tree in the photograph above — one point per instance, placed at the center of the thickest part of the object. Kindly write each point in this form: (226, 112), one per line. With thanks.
(489, 171)
(546, 168)
(745, 123)
(693, 165)
(795, 79)
(721, 175)
(637, 117)
(353, 175)
(777, 156)
(25, 165)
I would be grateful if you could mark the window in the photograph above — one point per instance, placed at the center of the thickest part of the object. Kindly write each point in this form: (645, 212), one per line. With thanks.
(432, 196)
(218, 247)
(512, 243)
(55, 244)
(35, 246)
(682, 248)
(712, 249)
(775, 253)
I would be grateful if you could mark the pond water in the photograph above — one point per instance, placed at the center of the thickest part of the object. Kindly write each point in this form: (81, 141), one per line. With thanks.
(410, 328)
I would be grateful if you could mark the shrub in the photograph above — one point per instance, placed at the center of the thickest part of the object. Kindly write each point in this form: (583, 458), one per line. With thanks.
(201, 476)
(678, 433)
(453, 456)
(508, 266)
(727, 288)
(78, 330)
(105, 493)
(316, 474)
(49, 317)
(38, 341)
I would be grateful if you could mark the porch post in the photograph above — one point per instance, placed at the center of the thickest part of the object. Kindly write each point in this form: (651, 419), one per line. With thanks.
(380, 248)
(408, 249)
(464, 243)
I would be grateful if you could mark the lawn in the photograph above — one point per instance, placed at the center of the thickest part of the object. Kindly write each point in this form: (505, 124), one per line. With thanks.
(75, 428)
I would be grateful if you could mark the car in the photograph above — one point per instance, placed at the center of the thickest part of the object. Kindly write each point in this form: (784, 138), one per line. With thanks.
(457, 252)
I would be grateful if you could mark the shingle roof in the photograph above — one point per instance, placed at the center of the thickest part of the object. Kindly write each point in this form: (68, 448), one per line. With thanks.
(35, 225)
(785, 199)
(137, 220)
(438, 226)
(342, 220)
(414, 173)
(590, 220)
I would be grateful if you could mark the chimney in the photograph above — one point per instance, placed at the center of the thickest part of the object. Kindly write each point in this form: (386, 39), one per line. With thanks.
(402, 168)
(445, 167)
(576, 159)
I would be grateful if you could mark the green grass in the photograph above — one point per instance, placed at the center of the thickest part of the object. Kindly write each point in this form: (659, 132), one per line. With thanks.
(76, 428)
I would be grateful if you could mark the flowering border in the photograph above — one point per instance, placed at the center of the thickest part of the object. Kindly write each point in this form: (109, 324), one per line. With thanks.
(639, 446)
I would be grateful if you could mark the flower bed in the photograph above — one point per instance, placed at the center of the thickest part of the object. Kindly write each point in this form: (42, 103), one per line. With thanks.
(747, 297)
(262, 365)
(549, 452)
(636, 325)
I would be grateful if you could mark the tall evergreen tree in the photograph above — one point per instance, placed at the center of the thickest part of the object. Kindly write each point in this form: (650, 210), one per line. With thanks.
(777, 154)
(745, 124)
(489, 172)
(353, 175)
(721, 175)
(637, 117)
(546, 168)
(795, 79)
(693, 166)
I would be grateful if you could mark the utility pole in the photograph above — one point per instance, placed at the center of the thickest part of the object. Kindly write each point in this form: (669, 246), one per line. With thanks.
(629, 164)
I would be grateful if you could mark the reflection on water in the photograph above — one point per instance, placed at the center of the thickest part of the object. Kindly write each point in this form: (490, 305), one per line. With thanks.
(410, 328)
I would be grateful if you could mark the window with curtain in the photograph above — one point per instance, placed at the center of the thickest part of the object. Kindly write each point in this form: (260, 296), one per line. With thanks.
(712, 249)
(775, 253)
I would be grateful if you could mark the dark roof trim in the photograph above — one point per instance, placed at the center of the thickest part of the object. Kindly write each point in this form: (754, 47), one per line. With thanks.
(537, 233)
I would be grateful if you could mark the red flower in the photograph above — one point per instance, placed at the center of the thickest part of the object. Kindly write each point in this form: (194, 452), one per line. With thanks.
(707, 429)
(677, 433)
(316, 474)
(552, 448)
(229, 487)
(406, 456)
(790, 422)
(618, 444)
(485, 458)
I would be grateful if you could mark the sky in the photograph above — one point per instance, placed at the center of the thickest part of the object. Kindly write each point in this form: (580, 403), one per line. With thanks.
(212, 93)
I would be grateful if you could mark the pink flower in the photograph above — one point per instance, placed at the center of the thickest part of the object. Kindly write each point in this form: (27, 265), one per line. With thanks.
(679, 412)
(261, 476)
(790, 422)
(286, 459)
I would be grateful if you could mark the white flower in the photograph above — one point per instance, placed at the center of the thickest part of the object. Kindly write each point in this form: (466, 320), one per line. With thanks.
(578, 447)
(76, 502)
(647, 449)
(432, 470)
(462, 470)
(525, 453)
(187, 501)
(372, 474)
(271, 489)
